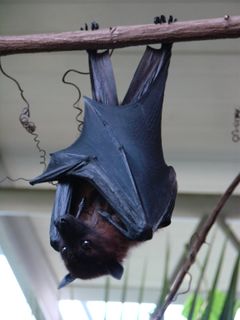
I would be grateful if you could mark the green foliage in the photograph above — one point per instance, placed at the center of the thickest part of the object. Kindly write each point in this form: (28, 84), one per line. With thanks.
(229, 304)
(165, 281)
(142, 288)
(191, 313)
(216, 305)
(198, 301)
(212, 295)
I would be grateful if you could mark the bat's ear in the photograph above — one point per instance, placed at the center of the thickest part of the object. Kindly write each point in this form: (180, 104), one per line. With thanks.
(66, 280)
(116, 270)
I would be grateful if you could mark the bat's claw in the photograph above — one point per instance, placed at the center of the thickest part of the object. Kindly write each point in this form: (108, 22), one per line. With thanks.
(94, 26)
(80, 207)
(162, 19)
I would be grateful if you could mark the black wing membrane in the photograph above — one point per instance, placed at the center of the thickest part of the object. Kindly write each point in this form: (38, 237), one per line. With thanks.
(103, 87)
(120, 149)
(148, 69)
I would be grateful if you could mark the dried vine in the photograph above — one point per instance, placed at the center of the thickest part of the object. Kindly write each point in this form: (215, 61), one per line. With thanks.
(27, 124)
(76, 104)
(30, 126)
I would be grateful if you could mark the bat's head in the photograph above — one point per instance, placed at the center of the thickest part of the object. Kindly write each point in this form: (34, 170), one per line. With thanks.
(88, 252)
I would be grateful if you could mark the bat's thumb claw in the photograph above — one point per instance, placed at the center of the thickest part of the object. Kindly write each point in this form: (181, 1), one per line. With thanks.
(147, 234)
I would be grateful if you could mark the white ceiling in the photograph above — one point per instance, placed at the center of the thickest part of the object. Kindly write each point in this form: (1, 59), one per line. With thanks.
(201, 96)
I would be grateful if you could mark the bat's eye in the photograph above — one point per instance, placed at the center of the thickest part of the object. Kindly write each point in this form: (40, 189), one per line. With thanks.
(86, 245)
(64, 250)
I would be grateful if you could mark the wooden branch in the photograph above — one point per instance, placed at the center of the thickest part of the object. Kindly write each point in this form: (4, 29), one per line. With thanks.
(183, 256)
(195, 247)
(119, 37)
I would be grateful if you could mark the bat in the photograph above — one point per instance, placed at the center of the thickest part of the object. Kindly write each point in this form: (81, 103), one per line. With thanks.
(114, 187)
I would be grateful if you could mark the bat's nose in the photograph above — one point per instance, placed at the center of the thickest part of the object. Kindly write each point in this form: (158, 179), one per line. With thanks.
(62, 221)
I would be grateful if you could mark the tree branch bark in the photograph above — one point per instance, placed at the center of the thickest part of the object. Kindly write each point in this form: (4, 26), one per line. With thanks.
(119, 37)
(195, 247)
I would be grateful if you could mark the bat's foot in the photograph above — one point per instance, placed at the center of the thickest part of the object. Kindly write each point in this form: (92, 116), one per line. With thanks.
(94, 26)
(162, 19)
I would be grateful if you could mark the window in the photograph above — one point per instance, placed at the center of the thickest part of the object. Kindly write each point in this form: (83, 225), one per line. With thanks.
(75, 309)
(13, 302)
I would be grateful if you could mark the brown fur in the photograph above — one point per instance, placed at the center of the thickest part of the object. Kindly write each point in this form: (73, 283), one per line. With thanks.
(107, 246)
(115, 243)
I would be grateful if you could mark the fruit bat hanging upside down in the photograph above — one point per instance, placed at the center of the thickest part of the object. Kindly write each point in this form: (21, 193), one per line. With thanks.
(114, 188)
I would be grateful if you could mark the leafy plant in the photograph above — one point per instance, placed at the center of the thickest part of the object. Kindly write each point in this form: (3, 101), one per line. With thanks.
(216, 305)
(165, 280)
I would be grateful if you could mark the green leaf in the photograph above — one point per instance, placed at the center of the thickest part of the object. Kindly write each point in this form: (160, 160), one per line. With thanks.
(142, 287)
(188, 305)
(237, 306)
(106, 295)
(211, 296)
(193, 310)
(219, 298)
(124, 289)
(107, 289)
(229, 304)
(166, 283)
(203, 269)
(142, 284)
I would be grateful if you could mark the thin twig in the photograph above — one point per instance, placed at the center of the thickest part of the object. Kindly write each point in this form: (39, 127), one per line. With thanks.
(27, 124)
(196, 245)
(123, 36)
